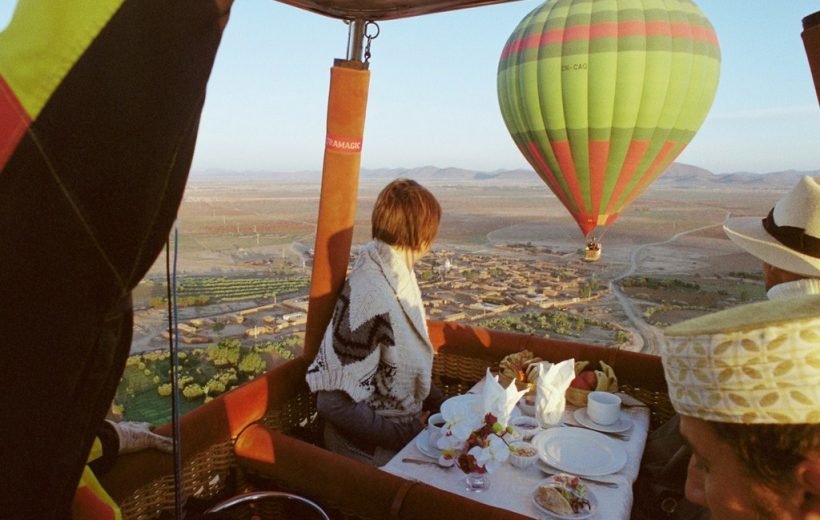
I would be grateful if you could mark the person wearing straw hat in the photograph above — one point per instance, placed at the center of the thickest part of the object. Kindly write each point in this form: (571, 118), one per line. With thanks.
(787, 240)
(746, 383)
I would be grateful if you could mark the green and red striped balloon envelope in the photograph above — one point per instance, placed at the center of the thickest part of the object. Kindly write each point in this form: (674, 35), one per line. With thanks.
(602, 95)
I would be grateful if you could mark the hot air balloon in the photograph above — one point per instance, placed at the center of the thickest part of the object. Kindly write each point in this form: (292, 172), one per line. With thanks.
(602, 96)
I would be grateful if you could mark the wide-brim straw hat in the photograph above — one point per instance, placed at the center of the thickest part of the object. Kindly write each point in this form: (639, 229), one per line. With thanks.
(789, 237)
(757, 363)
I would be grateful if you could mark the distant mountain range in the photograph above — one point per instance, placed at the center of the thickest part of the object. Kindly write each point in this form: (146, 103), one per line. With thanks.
(678, 175)
(685, 175)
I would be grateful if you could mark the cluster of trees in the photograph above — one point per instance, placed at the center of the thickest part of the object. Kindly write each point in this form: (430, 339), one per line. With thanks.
(756, 275)
(281, 348)
(161, 302)
(664, 307)
(470, 275)
(203, 373)
(557, 321)
(508, 324)
(659, 283)
(587, 288)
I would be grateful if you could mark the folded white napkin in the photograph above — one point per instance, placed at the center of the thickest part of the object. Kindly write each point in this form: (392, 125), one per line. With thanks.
(550, 389)
(498, 400)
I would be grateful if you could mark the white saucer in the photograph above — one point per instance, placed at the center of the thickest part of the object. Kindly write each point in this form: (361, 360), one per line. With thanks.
(423, 445)
(621, 425)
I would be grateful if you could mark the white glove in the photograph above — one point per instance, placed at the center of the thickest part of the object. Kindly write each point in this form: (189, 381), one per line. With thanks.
(136, 436)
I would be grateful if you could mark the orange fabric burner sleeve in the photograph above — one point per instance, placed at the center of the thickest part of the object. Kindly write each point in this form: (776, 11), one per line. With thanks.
(347, 103)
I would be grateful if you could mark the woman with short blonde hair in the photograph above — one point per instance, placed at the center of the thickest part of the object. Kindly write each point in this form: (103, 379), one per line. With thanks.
(406, 215)
(373, 371)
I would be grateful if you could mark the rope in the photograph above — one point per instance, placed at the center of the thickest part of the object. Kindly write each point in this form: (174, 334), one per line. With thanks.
(173, 345)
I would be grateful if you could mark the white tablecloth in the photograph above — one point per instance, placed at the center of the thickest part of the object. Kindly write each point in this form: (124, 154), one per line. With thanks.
(511, 488)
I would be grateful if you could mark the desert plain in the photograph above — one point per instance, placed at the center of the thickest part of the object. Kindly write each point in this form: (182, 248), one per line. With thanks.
(239, 227)
(508, 256)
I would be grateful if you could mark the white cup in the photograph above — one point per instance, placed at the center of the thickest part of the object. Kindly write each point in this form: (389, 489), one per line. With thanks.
(435, 428)
(603, 408)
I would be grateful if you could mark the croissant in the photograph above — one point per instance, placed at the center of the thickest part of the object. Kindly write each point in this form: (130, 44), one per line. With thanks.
(519, 366)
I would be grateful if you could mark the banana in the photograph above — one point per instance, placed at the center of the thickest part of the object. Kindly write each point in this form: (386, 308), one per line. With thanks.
(607, 380)
(523, 366)
(534, 369)
(580, 366)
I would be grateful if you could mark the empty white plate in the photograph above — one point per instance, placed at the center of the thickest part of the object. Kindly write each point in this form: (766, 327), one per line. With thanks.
(579, 451)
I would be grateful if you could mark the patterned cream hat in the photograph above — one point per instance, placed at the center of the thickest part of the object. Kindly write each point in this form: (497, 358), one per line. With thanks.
(756, 363)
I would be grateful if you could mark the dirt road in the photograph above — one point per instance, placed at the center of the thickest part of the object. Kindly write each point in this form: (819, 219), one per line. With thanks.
(652, 336)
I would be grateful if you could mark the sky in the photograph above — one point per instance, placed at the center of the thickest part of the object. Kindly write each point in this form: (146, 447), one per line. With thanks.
(432, 98)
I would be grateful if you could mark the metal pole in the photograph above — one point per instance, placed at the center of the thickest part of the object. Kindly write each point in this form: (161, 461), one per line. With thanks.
(355, 37)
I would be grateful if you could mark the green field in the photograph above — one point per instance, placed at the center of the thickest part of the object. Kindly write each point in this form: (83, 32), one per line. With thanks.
(202, 290)
(223, 289)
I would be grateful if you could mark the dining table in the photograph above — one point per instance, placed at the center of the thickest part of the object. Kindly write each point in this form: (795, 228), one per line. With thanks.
(512, 488)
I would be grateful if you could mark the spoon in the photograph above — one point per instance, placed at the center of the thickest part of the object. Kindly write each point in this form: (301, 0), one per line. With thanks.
(422, 461)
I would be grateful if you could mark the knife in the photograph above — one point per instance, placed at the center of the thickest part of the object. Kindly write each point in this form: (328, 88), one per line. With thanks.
(618, 435)
(549, 471)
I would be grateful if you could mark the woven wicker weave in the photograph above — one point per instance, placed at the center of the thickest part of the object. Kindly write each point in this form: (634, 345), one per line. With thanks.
(464, 356)
(203, 476)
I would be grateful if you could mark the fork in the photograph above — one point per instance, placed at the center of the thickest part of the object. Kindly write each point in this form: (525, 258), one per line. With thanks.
(550, 471)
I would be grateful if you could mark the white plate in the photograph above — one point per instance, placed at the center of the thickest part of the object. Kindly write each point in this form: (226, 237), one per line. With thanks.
(621, 425)
(424, 446)
(593, 504)
(472, 402)
(578, 451)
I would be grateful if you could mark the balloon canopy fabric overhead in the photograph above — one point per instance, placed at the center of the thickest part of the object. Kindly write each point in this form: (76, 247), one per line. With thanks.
(601, 96)
(99, 112)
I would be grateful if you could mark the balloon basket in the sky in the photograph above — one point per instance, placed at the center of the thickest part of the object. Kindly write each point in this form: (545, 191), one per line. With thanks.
(601, 97)
(592, 251)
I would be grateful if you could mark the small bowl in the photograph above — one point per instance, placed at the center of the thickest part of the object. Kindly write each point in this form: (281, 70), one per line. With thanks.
(523, 454)
(527, 426)
(527, 405)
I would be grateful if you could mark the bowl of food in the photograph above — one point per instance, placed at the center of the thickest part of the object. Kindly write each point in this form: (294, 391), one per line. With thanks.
(522, 454)
(527, 426)
(564, 496)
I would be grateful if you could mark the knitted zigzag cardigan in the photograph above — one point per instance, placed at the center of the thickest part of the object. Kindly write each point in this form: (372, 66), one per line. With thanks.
(376, 347)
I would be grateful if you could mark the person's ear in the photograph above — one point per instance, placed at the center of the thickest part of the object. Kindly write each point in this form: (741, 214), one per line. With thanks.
(808, 478)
